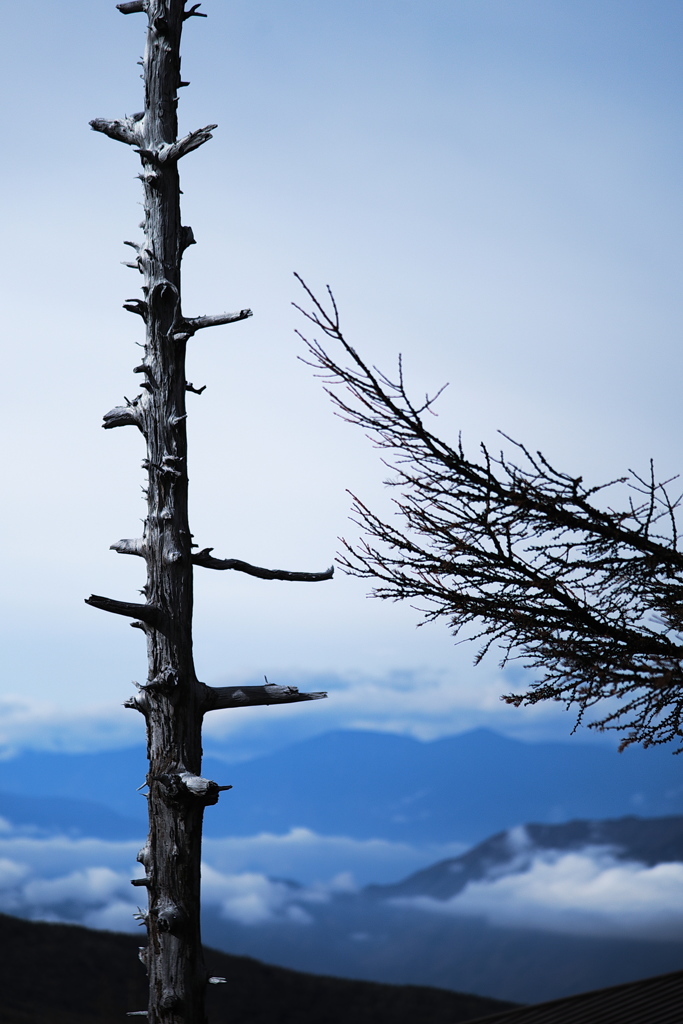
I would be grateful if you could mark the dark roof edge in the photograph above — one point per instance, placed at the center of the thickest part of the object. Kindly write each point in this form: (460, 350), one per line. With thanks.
(511, 1016)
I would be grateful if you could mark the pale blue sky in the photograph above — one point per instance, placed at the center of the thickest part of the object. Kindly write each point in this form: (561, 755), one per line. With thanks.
(492, 188)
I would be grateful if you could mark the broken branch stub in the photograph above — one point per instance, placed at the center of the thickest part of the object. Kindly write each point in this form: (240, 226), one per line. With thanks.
(122, 416)
(177, 150)
(125, 129)
(217, 698)
(191, 325)
(129, 546)
(148, 613)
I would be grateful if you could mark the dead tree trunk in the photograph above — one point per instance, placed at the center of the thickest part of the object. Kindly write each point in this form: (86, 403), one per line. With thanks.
(172, 699)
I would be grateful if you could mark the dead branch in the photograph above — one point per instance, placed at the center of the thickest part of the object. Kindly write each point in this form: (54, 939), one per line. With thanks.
(206, 559)
(219, 697)
(518, 555)
(126, 129)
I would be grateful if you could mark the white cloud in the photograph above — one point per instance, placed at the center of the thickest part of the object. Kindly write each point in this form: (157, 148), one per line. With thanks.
(251, 898)
(11, 873)
(93, 885)
(60, 855)
(100, 897)
(582, 893)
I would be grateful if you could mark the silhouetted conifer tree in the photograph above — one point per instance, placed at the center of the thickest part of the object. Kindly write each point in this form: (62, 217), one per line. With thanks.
(521, 556)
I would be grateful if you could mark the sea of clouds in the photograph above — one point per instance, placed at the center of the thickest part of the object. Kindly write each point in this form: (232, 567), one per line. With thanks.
(247, 880)
(299, 854)
(88, 881)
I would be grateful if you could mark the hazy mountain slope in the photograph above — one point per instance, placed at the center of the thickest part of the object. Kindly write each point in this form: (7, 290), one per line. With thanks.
(398, 933)
(68, 975)
(463, 787)
(402, 945)
(377, 785)
(109, 777)
(50, 815)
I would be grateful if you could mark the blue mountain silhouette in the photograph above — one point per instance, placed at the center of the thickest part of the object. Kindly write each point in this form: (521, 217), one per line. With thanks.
(366, 784)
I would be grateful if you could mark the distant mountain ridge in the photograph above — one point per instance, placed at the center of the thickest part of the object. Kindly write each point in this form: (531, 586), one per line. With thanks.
(644, 841)
(49, 815)
(377, 785)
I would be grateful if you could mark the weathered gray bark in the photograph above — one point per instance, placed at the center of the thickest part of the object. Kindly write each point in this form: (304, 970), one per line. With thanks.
(172, 700)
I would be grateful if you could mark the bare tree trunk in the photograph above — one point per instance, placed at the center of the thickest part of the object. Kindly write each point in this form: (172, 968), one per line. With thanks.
(172, 700)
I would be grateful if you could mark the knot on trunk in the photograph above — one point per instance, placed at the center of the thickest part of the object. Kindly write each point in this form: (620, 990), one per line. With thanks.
(164, 302)
(170, 918)
(165, 681)
(170, 1000)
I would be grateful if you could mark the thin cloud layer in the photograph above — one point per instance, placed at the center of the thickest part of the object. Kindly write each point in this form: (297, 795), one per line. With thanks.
(304, 855)
(27, 724)
(423, 704)
(299, 854)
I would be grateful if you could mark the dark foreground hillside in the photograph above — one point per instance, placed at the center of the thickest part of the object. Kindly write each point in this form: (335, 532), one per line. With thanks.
(69, 975)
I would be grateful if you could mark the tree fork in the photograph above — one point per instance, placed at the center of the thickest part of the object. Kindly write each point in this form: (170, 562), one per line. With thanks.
(173, 700)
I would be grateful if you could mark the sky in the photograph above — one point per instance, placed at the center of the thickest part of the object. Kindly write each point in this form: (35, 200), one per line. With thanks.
(491, 189)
